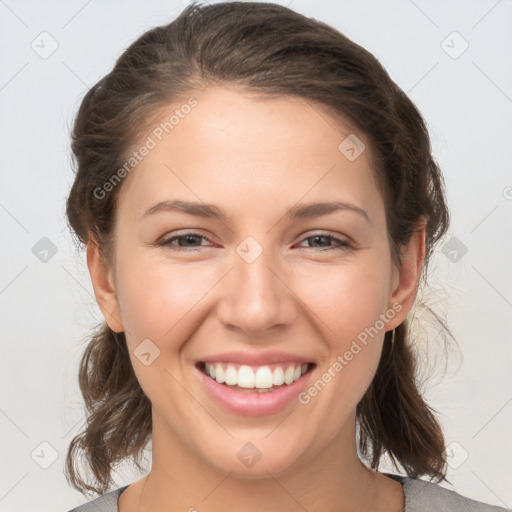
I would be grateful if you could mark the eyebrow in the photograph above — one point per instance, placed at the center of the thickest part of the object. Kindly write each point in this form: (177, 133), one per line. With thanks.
(300, 211)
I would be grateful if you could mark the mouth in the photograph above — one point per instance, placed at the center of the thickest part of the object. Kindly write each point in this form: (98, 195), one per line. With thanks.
(267, 378)
(249, 390)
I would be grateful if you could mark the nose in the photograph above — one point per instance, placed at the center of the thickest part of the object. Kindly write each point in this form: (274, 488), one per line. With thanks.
(256, 296)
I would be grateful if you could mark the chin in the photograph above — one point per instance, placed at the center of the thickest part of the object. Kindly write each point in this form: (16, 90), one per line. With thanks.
(253, 461)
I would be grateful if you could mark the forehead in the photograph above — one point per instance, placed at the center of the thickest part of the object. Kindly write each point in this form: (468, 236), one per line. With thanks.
(241, 147)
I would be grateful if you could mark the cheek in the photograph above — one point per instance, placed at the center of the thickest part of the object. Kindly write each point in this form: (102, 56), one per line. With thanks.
(350, 303)
(348, 298)
(160, 302)
(156, 296)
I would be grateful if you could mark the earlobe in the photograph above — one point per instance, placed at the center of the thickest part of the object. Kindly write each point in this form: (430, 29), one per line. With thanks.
(103, 285)
(409, 273)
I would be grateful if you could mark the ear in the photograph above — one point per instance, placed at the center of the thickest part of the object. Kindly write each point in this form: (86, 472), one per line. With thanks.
(405, 280)
(103, 284)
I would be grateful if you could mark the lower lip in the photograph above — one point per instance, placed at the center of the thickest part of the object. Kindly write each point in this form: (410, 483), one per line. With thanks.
(253, 403)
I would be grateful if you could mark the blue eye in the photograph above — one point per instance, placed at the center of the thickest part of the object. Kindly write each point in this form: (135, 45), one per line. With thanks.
(185, 239)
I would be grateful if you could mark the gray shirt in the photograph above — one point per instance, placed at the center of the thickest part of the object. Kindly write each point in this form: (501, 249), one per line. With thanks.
(420, 496)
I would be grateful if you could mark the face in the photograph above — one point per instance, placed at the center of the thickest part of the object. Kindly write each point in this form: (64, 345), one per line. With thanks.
(264, 286)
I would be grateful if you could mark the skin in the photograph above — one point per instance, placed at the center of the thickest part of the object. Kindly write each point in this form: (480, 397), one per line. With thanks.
(255, 158)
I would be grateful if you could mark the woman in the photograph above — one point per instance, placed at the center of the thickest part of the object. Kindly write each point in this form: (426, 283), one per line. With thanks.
(259, 202)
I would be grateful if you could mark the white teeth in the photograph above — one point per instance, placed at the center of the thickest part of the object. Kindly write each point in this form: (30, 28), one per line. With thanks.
(231, 375)
(263, 379)
(245, 377)
(278, 376)
(219, 373)
(288, 375)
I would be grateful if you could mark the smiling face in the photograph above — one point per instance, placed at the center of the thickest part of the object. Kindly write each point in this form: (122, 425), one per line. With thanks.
(258, 282)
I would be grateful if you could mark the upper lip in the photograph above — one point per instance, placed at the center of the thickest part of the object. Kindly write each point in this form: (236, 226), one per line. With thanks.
(255, 358)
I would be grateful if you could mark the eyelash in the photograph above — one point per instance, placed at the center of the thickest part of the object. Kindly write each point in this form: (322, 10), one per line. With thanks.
(343, 245)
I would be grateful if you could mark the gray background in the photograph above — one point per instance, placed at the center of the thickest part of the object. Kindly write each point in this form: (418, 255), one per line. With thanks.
(46, 298)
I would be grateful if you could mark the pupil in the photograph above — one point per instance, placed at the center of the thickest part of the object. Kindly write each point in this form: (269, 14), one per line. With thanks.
(319, 237)
(189, 238)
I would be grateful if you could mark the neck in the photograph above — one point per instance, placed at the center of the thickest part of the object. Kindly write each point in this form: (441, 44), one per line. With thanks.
(333, 480)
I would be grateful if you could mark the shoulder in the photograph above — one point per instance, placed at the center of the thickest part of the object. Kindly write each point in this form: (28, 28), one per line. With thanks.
(423, 496)
(105, 503)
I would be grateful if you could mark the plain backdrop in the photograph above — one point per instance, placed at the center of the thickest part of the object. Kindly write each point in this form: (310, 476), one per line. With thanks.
(454, 61)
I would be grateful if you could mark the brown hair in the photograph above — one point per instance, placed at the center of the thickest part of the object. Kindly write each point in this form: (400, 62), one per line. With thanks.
(272, 50)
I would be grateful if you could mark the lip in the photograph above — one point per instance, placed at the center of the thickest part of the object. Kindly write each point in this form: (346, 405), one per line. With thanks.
(253, 403)
(255, 359)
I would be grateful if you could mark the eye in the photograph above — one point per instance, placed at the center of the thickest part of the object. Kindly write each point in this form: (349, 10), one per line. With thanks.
(183, 241)
(342, 244)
